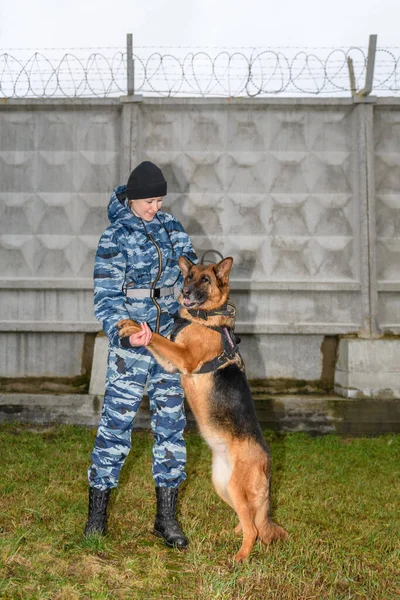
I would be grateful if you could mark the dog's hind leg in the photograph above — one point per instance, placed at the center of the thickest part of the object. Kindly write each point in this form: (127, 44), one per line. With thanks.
(246, 516)
(238, 528)
(268, 531)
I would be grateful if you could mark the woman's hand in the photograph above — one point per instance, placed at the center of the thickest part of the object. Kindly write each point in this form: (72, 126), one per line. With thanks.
(141, 338)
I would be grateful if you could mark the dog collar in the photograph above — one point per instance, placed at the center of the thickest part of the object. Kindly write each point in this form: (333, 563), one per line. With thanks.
(226, 310)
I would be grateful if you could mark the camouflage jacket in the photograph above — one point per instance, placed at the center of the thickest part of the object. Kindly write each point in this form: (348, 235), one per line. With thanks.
(139, 254)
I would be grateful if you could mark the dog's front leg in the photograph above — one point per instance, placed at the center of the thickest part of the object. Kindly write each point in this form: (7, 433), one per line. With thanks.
(169, 353)
(171, 356)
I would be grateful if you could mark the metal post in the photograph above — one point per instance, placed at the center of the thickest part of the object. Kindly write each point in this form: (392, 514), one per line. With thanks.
(363, 95)
(351, 75)
(130, 66)
(369, 77)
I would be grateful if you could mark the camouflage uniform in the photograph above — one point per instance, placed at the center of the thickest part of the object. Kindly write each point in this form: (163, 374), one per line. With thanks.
(138, 254)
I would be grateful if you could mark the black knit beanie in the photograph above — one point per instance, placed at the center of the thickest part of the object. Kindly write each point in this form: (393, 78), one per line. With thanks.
(146, 181)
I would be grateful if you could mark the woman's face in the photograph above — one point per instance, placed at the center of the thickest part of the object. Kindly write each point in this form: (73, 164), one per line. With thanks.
(147, 208)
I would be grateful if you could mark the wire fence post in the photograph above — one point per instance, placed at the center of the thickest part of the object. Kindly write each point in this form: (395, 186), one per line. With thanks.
(369, 77)
(130, 65)
(353, 87)
(364, 94)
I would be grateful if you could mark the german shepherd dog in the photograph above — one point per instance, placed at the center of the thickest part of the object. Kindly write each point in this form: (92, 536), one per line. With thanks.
(203, 349)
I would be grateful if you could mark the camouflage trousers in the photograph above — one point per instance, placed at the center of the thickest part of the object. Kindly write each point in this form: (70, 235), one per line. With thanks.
(127, 373)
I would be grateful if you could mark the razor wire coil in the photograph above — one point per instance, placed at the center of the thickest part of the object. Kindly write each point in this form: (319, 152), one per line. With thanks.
(239, 72)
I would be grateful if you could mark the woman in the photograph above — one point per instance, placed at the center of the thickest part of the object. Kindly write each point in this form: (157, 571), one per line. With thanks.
(136, 271)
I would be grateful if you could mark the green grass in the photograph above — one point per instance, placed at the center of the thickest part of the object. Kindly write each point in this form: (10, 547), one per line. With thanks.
(338, 498)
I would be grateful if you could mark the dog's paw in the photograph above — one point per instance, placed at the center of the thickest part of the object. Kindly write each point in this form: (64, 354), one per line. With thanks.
(240, 557)
(127, 327)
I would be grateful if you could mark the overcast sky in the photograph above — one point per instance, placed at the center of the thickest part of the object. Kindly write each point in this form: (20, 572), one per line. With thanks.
(205, 23)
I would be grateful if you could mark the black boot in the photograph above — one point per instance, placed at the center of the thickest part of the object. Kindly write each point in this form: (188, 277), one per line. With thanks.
(97, 521)
(165, 525)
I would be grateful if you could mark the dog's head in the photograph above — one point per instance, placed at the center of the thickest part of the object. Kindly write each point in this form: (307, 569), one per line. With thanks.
(205, 286)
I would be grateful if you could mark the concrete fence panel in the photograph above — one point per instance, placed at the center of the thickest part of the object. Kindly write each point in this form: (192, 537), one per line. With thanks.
(304, 194)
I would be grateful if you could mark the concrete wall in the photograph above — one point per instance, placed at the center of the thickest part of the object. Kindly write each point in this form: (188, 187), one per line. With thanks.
(57, 164)
(304, 194)
(387, 219)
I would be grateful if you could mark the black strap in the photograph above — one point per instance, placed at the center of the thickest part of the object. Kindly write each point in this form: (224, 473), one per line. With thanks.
(215, 363)
(200, 313)
(179, 324)
(229, 344)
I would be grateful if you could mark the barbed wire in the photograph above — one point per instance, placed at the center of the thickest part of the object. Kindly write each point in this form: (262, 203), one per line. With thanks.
(227, 73)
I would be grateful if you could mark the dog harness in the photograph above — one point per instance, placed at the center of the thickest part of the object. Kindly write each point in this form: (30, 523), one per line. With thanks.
(229, 339)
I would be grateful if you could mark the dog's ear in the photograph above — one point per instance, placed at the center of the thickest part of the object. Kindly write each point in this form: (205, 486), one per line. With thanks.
(223, 268)
(185, 264)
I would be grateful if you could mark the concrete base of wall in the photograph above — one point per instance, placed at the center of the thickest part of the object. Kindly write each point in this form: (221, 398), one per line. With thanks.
(69, 409)
(368, 368)
(315, 415)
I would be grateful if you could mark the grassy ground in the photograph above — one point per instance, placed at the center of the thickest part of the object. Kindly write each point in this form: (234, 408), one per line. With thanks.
(339, 499)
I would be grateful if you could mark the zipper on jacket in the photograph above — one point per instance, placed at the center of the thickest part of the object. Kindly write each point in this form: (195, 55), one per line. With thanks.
(155, 282)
